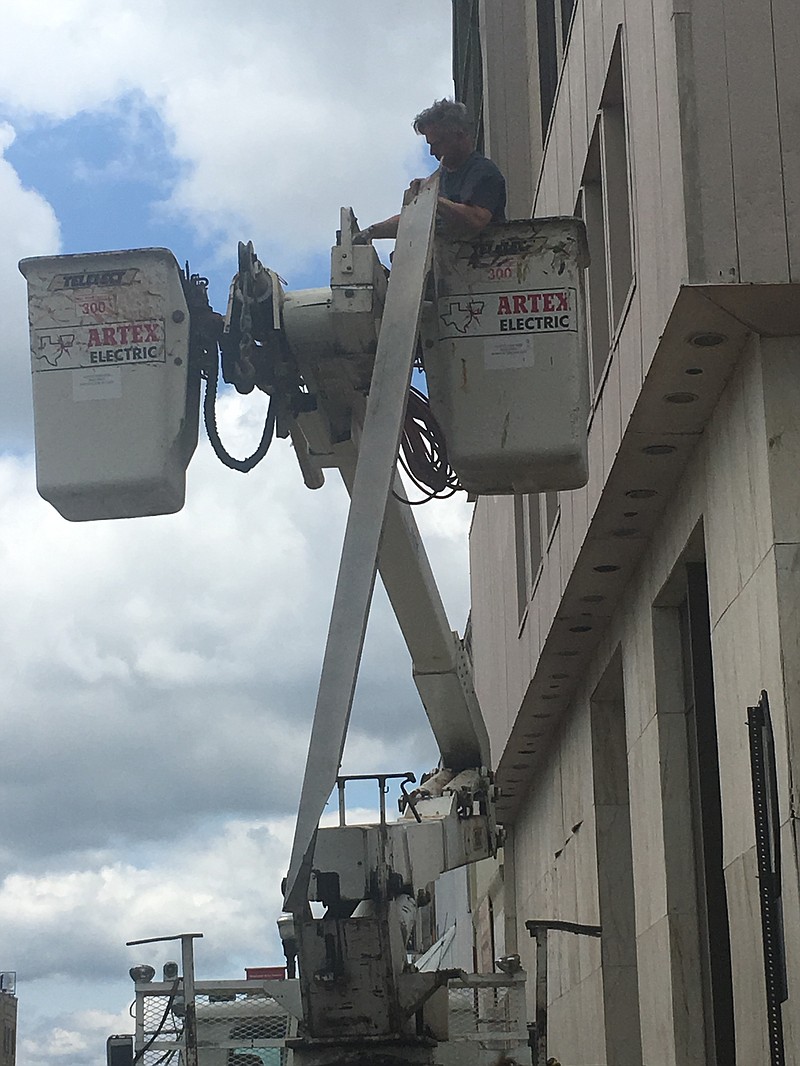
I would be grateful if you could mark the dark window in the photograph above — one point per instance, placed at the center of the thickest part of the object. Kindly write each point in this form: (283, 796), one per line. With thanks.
(551, 511)
(553, 20)
(617, 205)
(549, 58)
(467, 62)
(567, 7)
(695, 618)
(605, 206)
(528, 547)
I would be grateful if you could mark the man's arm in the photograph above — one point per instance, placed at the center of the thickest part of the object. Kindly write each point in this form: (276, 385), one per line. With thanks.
(463, 218)
(466, 219)
(378, 231)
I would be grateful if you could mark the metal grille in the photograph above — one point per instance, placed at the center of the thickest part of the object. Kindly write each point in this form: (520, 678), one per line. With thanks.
(768, 851)
(238, 1024)
(161, 1025)
(486, 1016)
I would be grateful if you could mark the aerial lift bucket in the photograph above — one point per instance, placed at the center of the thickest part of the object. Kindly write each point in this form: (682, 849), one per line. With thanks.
(505, 354)
(115, 397)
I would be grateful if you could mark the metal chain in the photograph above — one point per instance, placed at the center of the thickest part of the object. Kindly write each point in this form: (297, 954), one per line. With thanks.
(246, 283)
(204, 341)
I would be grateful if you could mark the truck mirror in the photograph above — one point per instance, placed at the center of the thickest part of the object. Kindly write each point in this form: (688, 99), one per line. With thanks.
(119, 1051)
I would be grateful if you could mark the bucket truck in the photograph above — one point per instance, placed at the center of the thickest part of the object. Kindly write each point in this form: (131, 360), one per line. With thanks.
(119, 343)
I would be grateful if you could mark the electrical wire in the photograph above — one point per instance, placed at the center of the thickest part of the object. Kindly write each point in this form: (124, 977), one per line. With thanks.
(166, 1057)
(210, 418)
(423, 452)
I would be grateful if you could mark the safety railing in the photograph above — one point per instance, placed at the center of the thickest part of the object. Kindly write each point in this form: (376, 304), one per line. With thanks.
(238, 1023)
(486, 1020)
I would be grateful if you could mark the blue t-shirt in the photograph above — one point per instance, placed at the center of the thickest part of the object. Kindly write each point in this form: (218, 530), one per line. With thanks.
(477, 181)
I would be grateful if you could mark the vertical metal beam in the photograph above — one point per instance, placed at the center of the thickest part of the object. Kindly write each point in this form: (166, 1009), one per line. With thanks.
(375, 469)
(768, 852)
(539, 929)
(540, 1049)
(190, 1017)
(138, 1037)
(189, 1038)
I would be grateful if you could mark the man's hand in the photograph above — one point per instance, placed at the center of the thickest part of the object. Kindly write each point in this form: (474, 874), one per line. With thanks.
(364, 236)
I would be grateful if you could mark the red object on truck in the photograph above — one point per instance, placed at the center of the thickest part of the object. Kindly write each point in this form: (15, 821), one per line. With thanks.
(265, 973)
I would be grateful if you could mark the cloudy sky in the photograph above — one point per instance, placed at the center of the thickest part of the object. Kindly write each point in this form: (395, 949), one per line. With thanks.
(159, 675)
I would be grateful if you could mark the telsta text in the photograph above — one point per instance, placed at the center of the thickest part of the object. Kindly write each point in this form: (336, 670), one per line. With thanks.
(88, 279)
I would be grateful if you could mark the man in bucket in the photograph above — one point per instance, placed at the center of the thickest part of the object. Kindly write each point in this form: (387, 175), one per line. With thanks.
(472, 191)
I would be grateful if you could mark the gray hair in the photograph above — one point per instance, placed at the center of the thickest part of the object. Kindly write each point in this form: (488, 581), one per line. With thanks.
(448, 114)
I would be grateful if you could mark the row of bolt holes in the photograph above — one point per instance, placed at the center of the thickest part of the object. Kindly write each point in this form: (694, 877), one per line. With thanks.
(709, 340)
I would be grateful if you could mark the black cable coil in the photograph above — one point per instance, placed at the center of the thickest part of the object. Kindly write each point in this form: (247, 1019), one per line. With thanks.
(423, 452)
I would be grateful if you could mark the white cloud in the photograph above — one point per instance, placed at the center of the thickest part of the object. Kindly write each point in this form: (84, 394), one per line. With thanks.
(28, 227)
(76, 922)
(279, 116)
(223, 884)
(157, 667)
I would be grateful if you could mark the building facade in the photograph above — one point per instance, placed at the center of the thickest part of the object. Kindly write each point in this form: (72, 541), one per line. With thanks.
(8, 1028)
(620, 632)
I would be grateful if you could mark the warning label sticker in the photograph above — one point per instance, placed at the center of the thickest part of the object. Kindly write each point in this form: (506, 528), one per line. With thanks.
(511, 354)
(500, 314)
(75, 347)
(99, 384)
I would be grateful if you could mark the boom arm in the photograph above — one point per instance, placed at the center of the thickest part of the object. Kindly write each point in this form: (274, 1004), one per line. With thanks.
(372, 481)
(442, 671)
